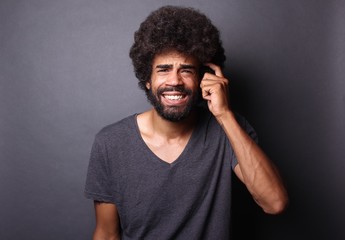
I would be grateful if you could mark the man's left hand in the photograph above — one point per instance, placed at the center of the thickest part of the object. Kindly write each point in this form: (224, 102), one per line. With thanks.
(215, 90)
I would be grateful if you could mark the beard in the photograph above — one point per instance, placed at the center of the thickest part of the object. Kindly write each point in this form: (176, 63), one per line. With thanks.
(173, 113)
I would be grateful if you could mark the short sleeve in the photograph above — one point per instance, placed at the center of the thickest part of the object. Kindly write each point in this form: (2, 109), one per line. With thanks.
(97, 185)
(249, 130)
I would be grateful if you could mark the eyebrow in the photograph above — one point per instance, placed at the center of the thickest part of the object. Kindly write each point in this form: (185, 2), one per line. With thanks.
(164, 66)
(187, 66)
(183, 66)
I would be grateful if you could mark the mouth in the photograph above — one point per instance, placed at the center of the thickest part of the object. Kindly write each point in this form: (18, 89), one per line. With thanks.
(174, 98)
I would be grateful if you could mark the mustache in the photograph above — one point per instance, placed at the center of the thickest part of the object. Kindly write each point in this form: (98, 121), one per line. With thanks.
(180, 89)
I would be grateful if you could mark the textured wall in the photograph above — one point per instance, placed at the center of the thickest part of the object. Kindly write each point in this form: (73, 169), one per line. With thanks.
(65, 73)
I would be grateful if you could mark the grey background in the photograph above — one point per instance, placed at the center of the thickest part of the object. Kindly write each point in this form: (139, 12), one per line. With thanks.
(65, 73)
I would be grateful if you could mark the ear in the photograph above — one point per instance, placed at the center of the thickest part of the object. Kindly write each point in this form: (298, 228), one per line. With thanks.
(148, 85)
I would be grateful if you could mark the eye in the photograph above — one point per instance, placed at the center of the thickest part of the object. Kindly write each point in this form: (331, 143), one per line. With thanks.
(162, 70)
(187, 72)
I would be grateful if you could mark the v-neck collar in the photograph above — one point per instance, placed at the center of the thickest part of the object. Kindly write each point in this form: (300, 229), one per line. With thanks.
(152, 156)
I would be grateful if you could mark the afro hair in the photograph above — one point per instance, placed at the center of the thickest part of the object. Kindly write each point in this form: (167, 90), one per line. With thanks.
(182, 29)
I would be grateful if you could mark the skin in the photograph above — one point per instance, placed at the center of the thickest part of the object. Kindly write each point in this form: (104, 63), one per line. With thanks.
(168, 139)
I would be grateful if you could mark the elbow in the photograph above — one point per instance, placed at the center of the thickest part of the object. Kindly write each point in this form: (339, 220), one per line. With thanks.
(99, 235)
(278, 206)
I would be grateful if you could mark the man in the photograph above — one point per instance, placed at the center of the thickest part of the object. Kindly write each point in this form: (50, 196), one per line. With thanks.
(166, 173)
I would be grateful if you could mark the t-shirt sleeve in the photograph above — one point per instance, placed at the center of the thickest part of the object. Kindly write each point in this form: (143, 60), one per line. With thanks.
(97, 185)
(249, 130)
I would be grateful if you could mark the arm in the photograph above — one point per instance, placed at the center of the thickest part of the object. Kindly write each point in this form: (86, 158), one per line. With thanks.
(107, 222)
(255, 169)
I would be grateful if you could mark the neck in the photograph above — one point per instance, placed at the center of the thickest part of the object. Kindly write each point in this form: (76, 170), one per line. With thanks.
(172, 129)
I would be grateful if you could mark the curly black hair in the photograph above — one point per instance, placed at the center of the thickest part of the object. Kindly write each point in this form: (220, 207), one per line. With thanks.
(182, 29)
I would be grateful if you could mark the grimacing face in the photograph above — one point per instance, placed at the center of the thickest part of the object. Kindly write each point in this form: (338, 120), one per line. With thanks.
(174, 86)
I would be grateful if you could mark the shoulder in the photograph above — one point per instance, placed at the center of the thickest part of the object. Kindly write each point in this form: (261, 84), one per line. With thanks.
(117, 129)
(211, 123)
(246, 126)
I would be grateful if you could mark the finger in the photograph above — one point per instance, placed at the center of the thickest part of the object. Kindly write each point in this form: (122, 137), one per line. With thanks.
(206, 93)
(220, 83)
(217, 70)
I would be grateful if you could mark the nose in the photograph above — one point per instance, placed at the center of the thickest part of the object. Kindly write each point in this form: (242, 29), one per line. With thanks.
(174, 79)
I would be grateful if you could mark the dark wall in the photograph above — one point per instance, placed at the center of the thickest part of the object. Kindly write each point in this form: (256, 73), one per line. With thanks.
(65, 73)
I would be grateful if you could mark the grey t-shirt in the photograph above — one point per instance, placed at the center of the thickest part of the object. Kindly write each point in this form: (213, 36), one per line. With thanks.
(188, 199)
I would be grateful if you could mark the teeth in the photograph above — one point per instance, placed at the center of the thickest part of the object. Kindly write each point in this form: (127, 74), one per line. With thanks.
(173, 97)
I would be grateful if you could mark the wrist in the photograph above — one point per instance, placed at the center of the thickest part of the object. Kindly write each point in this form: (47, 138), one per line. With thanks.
(225, 116)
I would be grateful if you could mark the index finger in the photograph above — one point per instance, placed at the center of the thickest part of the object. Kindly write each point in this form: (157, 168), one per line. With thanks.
(217, 70)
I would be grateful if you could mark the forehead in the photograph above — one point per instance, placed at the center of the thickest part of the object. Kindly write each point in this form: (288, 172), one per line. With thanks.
(173, 58)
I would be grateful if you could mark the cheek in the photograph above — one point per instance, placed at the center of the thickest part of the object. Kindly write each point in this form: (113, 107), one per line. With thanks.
(195, 85)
